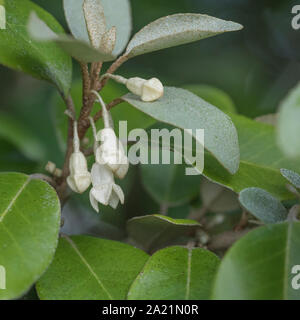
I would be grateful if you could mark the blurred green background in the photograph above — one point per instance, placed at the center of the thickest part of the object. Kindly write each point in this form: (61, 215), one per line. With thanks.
(256, 67)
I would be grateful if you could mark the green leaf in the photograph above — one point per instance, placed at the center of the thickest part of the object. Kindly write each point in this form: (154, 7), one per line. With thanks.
(155, 231)
(80, 50)
(20, 52)
(292, 177)
(86, 268)
(176, 273)
(117, 14)
(185, 110)
(288, 124)
(261, 160)
(175, 30)
(21, 137)
(218, 199)
(168, 184)
(259, 266)
(29, 226)
(263, 205)
(214, 96)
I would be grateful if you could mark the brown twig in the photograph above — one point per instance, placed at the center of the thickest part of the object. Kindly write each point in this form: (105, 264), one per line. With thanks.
(62, 184)
(88, 99)
(112, 69)
(112, 104)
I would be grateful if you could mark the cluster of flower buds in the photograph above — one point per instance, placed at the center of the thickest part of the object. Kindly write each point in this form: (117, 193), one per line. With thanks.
(110, 161)
(149, 90)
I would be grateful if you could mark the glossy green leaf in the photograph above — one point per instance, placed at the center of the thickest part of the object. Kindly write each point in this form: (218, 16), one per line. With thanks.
(288, 124)
(18, 51)
(117, 14)
(175, 30)
(78, 49)
(155, 231)
(261, 160)
(263, 205)
(29, 226)
(86, 268)
(214, 96)
(168, 184)
(20, 136)
(292, 177)
(185, 110)
(176, 273)
(259, 266)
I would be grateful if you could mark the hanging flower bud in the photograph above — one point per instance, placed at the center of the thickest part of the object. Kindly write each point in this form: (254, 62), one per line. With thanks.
(149, 90)
(111, 151)
(79, 179)
(104, 188)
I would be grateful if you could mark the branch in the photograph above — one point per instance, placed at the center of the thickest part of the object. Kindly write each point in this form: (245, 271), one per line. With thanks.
(112, 69)
(62, 184)
(89, 99)
(109, 106)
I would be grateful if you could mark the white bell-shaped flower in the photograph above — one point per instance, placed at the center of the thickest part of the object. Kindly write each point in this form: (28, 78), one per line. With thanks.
(110, 150)
(148, 90)
(104, 190)
(79, 179)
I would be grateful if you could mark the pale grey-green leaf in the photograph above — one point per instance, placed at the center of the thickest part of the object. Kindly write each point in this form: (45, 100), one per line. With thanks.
(95, 21)
(75, 19)
(175, 30)
(288, 124)
(118, 14)
(80, 50)
(185, 110)
(292, 177)
(263, 205)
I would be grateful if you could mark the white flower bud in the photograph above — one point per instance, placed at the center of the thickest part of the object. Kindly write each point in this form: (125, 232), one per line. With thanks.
(148, 90)
(111, 152)
(104, 188)
(79, 179)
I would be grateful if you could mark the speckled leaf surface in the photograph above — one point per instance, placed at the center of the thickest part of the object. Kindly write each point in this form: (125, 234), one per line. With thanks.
(156, 230)
(175, 30)
(292, 177)
(18, 51)
(259, 266)
(29, 225)
(176, 273)
(263, 205)
(78, 49)
(185, 110)
(117, 14)
(87, 268)
(95, 21)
